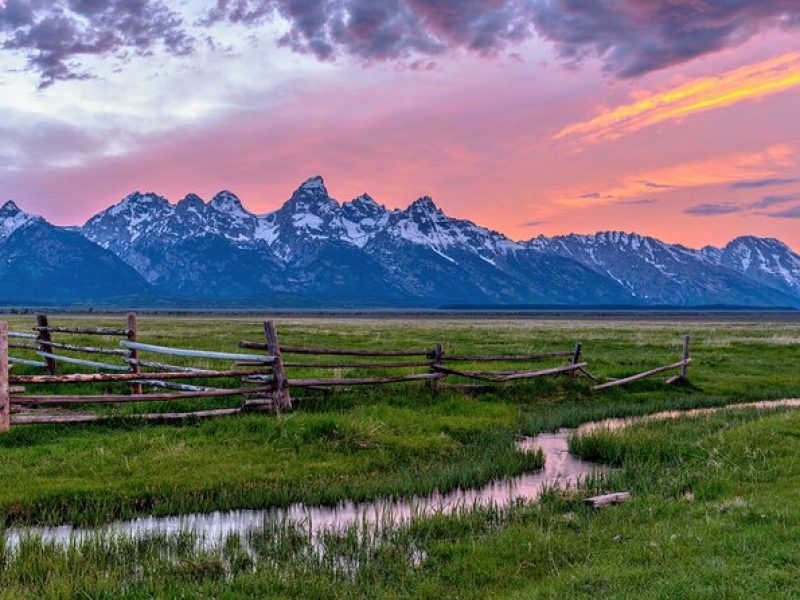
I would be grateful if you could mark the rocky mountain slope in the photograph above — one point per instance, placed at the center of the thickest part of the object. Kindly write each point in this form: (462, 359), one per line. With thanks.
(47, 265)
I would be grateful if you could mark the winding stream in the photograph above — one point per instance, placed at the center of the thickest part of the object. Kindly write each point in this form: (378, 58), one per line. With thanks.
(562, 470)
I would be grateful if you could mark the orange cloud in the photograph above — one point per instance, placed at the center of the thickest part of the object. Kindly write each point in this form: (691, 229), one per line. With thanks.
(719, 170)
(750, 82)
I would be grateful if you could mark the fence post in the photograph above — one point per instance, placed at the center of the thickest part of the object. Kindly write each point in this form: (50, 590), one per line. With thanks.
(438, 356)
(133, 336)
(576, 357)
(5, 400)
(283, 399)
(685, 366)
(44, 343)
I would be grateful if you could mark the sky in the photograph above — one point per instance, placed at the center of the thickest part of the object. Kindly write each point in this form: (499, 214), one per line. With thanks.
(677, 119)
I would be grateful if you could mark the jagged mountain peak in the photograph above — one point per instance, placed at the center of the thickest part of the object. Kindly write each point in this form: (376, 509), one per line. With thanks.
(228, 202)
(139, 198)
(424, 206)
(12, 218)
(314, 183)
(312, 196)
(766, 260)
(8, 209)
(363, 207)
(191, 202)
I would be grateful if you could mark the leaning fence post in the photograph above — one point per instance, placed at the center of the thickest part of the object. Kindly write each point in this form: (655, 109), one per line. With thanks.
(283, 399)
(5, 400)
(685, 365)
(133, 355)
(44, 343)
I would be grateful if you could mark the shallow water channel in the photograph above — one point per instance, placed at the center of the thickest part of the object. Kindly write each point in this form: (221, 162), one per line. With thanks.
(562, 470)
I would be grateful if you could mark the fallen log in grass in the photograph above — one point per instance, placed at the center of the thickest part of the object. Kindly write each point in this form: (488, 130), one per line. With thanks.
(608, 499)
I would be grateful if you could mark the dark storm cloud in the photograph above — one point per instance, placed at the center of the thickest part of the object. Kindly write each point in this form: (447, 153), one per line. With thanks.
(391, 29)
(759, 183)
(54, 35)
(630, 37)
(711, 209)
(634, 37)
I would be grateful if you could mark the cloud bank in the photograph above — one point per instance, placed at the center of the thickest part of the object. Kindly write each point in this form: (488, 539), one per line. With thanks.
(629, 37)
(55, 34)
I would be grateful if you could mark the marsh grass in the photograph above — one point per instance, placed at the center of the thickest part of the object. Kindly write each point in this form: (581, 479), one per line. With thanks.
(713, 513)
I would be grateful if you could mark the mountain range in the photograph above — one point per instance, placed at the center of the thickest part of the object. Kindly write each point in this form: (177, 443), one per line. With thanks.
(315, 252)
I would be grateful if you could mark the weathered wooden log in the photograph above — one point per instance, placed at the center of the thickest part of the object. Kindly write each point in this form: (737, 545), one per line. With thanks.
(257, 378)
(639, 376)
(5, 392)
(336, 352)
(91, 418)
(127, 398)
(16, 389)
(89, 349)
(608, 499)
(84, 363)
(363, 381)
(45, 343)
(23, 336)
(508, 357)
(503, 376)
(169, 385)
(26, 362)
(84, 330)
(194, 353)
(97, 377)
(23, 346)
(198, 414)
(165, 367)
(383, 365)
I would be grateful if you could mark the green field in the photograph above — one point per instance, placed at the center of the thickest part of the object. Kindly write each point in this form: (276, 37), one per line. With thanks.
(712, 513)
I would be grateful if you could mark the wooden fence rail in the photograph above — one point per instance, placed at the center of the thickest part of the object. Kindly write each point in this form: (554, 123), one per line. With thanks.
(682, 364)
(262, 378)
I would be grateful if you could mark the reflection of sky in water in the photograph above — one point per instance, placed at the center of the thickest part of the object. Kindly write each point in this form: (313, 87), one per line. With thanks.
(561, 470)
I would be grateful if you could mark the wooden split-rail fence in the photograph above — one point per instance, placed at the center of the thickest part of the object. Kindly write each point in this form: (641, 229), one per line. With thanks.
(260, 377)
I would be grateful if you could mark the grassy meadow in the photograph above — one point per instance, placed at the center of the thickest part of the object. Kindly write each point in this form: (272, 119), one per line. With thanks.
(711, 516)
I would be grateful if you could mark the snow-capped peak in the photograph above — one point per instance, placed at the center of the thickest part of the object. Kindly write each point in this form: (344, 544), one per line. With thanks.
(228, 202)
(314, 183)
(424, 206)
(13, 218)
(137, 201)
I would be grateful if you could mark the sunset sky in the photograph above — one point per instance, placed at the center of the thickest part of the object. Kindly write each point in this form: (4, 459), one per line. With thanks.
(678, 119)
